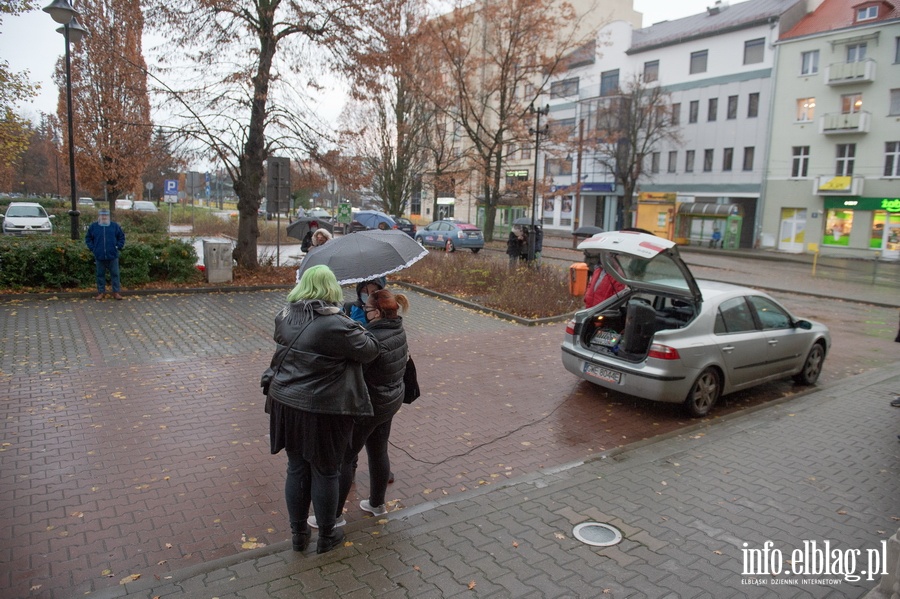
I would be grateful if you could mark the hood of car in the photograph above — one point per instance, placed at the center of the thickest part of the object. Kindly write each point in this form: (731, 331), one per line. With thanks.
(644, 262)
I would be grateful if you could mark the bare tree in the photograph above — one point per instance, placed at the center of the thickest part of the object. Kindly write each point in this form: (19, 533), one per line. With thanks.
(110, 101)
(627, 127)
(496, 58)
(242, 106)
(391, 117)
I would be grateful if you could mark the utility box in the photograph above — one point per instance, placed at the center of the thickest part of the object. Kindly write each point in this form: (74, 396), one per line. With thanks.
(217, 260)
(578, 278)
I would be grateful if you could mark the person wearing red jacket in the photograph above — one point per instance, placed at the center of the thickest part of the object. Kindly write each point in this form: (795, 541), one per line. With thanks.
(600, 287)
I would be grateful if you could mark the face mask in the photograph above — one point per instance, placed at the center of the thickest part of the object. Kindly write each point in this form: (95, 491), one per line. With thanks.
(364, 297)
(104, 221)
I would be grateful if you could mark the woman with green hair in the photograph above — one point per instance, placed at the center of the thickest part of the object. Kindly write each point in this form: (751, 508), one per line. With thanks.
(314, 388)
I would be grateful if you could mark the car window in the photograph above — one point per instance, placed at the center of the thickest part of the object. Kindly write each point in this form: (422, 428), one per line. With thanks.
(433, 227)
(771, 315)
(734, 317)
(26, 212)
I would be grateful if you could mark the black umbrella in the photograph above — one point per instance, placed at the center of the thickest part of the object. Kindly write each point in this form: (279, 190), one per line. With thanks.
(587, 231)
(365, 255)
(525, 221)
(303, 225)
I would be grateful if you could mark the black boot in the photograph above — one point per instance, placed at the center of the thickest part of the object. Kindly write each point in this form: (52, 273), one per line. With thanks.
(327, 542)
(300, 536)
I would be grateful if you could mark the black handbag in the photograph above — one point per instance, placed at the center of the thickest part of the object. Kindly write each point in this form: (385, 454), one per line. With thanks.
(410, 382)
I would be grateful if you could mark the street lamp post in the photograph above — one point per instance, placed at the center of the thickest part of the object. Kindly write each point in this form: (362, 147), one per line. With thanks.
(537, 132)
(62, 12)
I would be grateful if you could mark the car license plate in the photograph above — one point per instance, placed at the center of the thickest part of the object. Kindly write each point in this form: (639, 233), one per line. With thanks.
(604, 374)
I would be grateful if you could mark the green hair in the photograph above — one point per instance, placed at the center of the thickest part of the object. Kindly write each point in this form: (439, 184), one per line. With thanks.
(317, 282)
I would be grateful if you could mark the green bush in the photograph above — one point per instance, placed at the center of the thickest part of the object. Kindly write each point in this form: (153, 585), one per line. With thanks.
(55, 262)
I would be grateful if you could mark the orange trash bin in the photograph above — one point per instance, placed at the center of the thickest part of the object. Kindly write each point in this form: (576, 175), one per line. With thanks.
(578, 278)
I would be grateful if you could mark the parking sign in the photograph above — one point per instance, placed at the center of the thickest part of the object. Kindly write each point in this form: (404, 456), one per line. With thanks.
(171, 187)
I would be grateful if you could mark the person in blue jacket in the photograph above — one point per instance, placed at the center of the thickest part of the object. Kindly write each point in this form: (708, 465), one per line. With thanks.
(105, 239)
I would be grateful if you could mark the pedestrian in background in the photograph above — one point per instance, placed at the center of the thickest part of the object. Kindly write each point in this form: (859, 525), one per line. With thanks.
(321, 237)
(105, 238)
(314, 389)
(384, 381)
(514, 245)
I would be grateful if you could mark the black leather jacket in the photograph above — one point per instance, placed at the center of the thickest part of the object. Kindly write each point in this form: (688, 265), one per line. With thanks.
(322, 370)
(384, 376)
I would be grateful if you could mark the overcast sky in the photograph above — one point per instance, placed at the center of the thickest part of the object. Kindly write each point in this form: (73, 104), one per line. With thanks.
(30, 42)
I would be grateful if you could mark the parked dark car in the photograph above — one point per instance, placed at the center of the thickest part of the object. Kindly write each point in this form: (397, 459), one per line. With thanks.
(451, 235)
(407, 226)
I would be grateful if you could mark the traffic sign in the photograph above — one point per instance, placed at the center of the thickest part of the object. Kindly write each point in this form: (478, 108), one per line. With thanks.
(171, 187)
(344, 213)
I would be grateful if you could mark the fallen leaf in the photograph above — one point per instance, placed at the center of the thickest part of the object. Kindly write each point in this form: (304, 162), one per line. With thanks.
(471, 585)
(717, 552)
(129, 578)
(842, 512)
(515, 544)
(559, 535)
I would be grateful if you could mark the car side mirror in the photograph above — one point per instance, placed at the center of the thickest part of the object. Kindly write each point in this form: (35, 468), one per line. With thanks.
(803, 324)
(52, 216)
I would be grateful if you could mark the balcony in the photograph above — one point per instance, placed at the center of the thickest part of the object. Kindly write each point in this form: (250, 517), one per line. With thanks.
(846, 73)
(838, 123)
(830, 185)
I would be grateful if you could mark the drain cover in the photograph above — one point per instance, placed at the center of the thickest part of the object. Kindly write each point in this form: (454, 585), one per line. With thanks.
(597, 534)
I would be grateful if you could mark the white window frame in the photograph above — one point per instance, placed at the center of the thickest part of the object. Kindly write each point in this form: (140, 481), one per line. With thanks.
(809, 63)
(867, 13)
(844, 160)
(799, 162)
(856, 52)
(673, 161)
(727, 159)
(851, 103)
(689, 161)
(806, 110)
(749, 158)
(894, 107)
(892, 159)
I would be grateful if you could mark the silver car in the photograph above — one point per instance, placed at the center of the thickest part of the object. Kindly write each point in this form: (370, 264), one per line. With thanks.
(668, 337)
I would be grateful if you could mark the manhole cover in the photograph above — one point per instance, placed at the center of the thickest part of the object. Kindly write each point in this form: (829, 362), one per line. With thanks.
(597, 534)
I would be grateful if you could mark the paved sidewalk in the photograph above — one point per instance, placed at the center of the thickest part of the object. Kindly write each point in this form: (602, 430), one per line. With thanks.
(821, 469)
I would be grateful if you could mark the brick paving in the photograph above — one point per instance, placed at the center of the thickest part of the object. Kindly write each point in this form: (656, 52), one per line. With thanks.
(135, 445)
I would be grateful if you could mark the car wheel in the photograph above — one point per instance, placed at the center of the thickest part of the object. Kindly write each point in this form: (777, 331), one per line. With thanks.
(449, 246)
(475, 250)
(812, 366)
(421, 241)
(703, 394)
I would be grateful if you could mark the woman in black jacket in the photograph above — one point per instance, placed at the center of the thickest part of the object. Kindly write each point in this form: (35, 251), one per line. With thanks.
(315, 388)
(384, 380)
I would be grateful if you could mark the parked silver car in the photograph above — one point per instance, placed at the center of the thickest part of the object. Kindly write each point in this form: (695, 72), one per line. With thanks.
(668, 337)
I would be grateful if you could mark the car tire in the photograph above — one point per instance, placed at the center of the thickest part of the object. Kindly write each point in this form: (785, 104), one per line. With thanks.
(704, 393)
(812, 366)
(449, 246)
(476, 250)
(420, 240)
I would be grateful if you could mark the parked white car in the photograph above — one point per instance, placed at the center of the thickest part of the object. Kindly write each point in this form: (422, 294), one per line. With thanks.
(26, 217)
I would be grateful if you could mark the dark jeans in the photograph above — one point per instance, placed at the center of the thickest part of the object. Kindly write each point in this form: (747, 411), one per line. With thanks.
(113, 267)
(307, 483)
(373, 434)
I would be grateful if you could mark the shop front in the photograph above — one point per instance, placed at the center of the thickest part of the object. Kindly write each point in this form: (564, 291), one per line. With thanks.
(865, 224)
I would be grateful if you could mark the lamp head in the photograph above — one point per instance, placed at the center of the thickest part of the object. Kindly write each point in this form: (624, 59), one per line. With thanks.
(61, 11)
(76, 31)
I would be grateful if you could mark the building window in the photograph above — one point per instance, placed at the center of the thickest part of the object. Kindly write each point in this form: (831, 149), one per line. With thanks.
(651, 71)
(689, 161)
(557, 167)
(748, 158)
(754, 50)
(708, 160)
(511, 151)
(732, 107)
(809, 62)
(676, 113)
(654, 162)
(753, 105)
(564, 88)
(806, 109)
(800, 162)
(609, 83)
(892, 159)
(698, 61)
(525, 154)
(851, 103)
(838, 224)
(896, 50)
(895, 103)
(846, 154)
(856, 52)
(673, 161)
(727, 159)
(693, 111)
(713, 109)
(867, 13)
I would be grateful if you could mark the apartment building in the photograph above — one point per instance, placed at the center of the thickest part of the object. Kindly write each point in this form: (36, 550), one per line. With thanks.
(834, 160)
(717, 68)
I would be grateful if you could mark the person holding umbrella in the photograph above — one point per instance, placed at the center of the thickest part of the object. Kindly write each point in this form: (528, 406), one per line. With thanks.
(357, 310)
(314, 389)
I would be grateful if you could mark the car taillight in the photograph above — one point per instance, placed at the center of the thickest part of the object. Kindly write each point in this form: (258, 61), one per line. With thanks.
(396, 227)
(662, 352)
(460, 234)
(570, 327)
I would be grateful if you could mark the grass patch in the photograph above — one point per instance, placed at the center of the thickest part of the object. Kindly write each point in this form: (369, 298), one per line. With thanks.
(485, 279)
